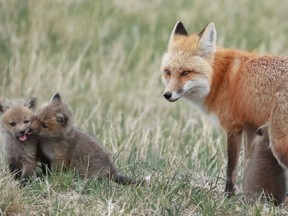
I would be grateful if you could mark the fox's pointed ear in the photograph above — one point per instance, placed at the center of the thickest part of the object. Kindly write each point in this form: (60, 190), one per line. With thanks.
(56, 97)
(31, 103)
(207, 42)
(3, 107)
(179, 29)
(61, 119)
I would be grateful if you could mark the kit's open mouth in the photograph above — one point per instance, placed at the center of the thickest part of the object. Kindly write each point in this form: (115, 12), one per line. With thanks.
(22, 138)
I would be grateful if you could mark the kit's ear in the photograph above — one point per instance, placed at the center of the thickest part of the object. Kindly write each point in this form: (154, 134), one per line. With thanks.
(61, 119)
(3, 107)
(31, 103)
(56, 97)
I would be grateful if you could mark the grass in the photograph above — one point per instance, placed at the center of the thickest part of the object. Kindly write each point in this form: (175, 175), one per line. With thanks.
(104, 58)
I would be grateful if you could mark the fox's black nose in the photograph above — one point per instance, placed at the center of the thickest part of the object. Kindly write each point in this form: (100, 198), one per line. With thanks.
(167, 95)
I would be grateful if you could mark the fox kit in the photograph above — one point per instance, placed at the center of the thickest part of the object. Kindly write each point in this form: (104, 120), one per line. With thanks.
(21, 153)
(263, 175)
(232, 84)
(67, 146)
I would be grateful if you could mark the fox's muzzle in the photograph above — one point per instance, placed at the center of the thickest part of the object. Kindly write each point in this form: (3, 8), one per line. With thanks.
(169, 96)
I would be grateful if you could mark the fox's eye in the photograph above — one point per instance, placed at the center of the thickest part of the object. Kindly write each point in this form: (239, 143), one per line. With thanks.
(12, 124)
(44, 125)
(167, 72)
(185, 73)
(26, 121)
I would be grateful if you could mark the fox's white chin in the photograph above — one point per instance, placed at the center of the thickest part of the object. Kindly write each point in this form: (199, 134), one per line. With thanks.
(172, 100)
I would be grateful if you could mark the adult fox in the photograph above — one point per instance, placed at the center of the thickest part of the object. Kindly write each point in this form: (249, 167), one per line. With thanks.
(239, 87)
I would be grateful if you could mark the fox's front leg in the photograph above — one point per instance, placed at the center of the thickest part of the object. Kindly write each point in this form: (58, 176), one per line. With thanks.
(233, 148)
(27, 172)
(15, 170)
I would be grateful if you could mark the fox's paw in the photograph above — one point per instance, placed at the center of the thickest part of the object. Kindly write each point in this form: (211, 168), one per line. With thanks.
(230, 189)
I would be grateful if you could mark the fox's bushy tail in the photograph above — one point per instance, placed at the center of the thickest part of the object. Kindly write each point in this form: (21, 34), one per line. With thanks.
(127, 180)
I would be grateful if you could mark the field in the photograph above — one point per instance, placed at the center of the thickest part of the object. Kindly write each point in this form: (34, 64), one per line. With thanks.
(104, 58)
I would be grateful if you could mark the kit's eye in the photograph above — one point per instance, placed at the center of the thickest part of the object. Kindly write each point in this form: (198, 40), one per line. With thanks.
(26, 121)
(44, 125)
(167, 72)
(13, 124)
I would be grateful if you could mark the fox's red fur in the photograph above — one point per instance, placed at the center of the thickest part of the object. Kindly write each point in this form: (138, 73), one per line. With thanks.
(239, 87)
